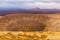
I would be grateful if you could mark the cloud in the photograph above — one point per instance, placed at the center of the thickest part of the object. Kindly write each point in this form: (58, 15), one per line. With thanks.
(48, 0)
(48, 5)
(29, 0)
(45, 5)
(30, 4)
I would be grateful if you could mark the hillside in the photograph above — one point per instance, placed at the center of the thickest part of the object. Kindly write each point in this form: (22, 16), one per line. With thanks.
(1, 17)
(23, 22)
(54, 23)
(30, 22)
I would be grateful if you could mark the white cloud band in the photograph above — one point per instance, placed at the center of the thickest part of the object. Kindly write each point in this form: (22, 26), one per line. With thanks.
(30, 3)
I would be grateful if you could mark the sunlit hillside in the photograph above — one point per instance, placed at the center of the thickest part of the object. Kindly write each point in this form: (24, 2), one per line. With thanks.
(23, 22)
(30, 22)
(1, 17)
(30, 27)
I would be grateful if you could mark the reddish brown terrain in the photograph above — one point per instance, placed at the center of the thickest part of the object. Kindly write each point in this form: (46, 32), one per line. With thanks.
(30, 27)
(1, 17)
(30, 22)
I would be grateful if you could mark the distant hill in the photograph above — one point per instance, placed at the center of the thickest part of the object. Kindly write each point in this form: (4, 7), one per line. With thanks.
(29, 11)
(49, 11)
(37, 8)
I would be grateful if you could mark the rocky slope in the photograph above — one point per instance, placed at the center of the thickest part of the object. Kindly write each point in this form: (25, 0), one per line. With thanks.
(30, 22)
(23, 22)
(54, 23)
(1, 17)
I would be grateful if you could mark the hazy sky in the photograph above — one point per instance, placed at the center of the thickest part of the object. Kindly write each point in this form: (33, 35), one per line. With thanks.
(45, 4)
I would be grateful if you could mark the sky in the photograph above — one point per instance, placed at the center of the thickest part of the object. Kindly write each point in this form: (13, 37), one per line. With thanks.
(27, 4)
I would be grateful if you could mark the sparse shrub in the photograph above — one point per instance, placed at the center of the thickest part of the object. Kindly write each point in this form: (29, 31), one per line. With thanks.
(41, 27)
